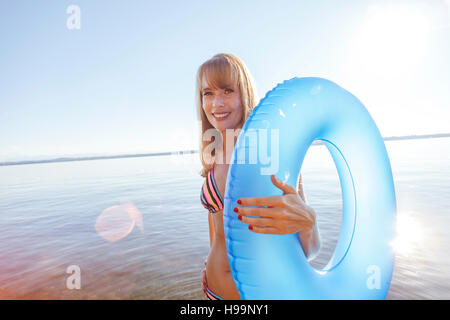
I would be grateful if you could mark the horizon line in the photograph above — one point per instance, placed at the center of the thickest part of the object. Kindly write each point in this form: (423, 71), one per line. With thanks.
(183, 152)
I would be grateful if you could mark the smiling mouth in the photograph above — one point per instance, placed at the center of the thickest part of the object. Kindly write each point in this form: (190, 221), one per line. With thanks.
(221, 116)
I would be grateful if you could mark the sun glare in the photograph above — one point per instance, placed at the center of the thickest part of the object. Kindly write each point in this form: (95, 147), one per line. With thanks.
(409, 234)
(392, 40)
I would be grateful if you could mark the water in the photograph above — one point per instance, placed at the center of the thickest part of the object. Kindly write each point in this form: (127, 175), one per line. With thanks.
(51, 218)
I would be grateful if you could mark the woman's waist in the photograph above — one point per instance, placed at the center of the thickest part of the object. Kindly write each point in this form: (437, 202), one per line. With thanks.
(219, 278)
(218, 260)
(218, 275)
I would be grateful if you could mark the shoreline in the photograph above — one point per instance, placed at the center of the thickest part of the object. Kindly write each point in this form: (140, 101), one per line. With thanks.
(168, 153)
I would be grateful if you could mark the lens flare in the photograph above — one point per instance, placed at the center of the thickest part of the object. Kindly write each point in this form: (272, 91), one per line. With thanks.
(117, 222)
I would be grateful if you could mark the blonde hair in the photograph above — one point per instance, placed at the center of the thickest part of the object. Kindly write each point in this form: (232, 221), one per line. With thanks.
(218, 71)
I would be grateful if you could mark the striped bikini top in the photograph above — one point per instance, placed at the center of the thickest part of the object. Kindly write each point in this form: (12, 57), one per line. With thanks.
(210, 195)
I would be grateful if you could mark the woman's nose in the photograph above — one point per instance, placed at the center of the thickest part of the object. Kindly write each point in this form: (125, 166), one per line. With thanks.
(219, 100)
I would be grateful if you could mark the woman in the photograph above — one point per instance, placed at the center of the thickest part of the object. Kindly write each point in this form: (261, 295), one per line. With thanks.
(225, 98)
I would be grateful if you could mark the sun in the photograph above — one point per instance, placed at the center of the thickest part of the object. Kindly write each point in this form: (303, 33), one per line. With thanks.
(392, 40)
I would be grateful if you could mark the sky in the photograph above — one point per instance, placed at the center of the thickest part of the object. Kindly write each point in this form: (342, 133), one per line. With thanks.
(118, 77)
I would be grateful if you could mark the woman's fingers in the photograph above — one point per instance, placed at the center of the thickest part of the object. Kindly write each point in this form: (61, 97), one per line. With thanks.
(281, 214)
(254, 221)
(289, 219)
(268, 225)
(286, 188)
(269, 201)
(260, 212)
(267, 230)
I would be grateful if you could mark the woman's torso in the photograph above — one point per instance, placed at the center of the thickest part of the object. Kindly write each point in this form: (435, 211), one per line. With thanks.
(218, 273)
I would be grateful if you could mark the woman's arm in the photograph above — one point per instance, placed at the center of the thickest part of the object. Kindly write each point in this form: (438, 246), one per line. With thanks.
(211, 229)
(310, 240)
(211, 239)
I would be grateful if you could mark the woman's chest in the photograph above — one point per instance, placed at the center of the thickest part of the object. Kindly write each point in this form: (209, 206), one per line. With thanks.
(220, 178)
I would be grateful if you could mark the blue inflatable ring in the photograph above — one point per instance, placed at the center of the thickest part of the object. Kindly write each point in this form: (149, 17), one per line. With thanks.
(294, 114)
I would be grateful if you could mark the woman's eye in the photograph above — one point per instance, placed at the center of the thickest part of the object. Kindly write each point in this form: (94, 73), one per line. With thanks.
(207, 93)
(228, 90)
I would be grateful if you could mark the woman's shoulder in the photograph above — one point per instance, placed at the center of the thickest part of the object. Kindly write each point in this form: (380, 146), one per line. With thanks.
(204, 172)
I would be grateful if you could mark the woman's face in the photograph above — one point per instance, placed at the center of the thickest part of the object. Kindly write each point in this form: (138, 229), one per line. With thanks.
(222, 106)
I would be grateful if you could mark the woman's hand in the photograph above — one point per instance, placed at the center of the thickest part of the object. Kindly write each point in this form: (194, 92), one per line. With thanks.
(204, 283)
(283, 214)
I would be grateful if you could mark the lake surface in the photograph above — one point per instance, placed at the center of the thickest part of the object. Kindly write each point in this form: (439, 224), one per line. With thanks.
(135, 227)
